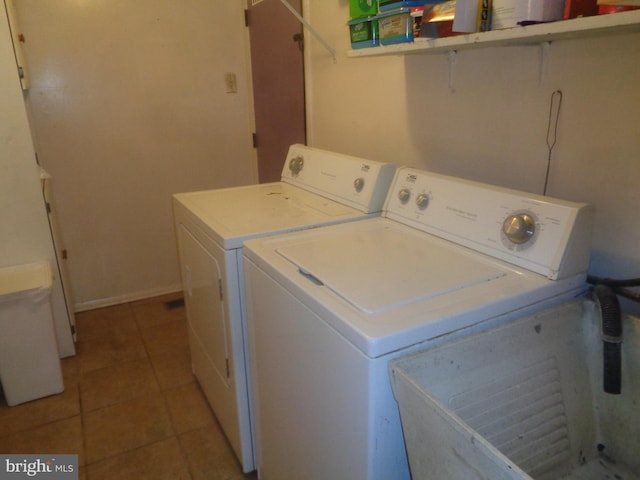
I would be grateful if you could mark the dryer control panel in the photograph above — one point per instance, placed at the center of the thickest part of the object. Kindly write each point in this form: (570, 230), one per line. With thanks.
(359, 183)
(545, 235)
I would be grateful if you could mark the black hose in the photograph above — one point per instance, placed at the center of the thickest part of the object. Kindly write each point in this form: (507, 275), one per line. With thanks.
(628, 294)
(610, 282)
(611, 319)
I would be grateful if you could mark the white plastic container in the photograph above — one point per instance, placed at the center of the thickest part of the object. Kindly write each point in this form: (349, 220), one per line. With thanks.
(29, 360)
(508, 13)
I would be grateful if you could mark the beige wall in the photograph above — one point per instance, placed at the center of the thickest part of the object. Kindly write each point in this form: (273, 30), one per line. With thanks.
(128, 105)
(493, 126)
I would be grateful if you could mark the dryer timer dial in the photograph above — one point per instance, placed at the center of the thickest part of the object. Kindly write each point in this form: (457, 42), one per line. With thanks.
(296, 164)
(404, 195)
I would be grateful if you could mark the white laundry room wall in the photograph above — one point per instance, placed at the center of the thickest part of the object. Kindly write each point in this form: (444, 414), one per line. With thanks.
(129, 105)
(486, 119)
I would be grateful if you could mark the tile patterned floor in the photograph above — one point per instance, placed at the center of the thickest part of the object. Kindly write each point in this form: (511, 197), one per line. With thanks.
(131, 408)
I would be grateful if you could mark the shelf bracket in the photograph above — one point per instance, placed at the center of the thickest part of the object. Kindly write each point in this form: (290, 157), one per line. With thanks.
(453, 58)
(544, 61)
(311, 29)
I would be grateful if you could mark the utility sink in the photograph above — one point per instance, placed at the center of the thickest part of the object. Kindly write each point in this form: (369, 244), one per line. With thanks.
(522, 401)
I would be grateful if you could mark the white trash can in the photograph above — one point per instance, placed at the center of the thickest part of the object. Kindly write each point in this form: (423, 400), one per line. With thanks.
(29, 360)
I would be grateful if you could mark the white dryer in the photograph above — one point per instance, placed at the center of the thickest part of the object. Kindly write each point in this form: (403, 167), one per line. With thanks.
(317, 188)
(328, 308)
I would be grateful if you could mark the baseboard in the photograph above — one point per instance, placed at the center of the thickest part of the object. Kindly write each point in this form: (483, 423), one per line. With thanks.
(129, 297)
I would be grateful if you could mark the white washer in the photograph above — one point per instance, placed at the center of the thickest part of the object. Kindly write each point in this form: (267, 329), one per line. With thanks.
(317, 188)
(328, 308)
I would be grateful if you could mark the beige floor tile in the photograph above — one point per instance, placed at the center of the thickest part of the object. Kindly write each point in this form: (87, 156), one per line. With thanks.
(165, 338)
(103, 352)
(125, 426)
(188, 408)
(82, 473)
(61, 437)
(117, 383)
(108, 321)
(162, 460)
(150, 314)
(42, 411)
(70, 368)
(210, 456)
(107, 336)
(173, 368)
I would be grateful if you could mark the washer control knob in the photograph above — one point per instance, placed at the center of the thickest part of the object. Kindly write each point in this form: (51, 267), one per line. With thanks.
(519, 228)
(422, 201)
(404, 195)
(296, 164)
(358, 184)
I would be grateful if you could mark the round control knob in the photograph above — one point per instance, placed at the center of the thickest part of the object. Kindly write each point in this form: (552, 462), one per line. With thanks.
(358, 184)
(404, 195)
(296, 164)
(519, 228)
(422, 201)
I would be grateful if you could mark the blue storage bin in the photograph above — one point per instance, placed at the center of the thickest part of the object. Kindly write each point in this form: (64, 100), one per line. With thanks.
(386, 5)
(395, 26)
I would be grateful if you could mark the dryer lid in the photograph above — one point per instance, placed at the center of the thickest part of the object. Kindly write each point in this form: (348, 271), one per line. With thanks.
(382, 269)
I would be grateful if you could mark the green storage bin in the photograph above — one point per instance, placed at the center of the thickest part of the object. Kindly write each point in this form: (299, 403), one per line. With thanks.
(362, 8)
(364, 32)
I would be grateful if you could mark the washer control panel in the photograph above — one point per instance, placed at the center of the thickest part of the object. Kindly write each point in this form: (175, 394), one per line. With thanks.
(519, 228)
(547, 235)
(353, 181)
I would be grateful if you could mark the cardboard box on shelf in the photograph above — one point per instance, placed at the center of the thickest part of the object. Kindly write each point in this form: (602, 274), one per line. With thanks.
(580, 8)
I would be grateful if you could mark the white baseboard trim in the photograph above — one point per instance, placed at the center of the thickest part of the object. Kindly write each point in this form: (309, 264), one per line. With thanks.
(126, 298)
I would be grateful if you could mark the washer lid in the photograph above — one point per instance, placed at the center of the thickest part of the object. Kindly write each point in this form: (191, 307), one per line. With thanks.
(382, 269)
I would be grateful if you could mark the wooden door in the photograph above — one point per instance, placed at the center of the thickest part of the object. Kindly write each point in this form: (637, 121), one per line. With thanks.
(278, 82)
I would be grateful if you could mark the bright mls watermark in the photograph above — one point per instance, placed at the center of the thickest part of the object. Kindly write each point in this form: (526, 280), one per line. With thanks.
(50, 467)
